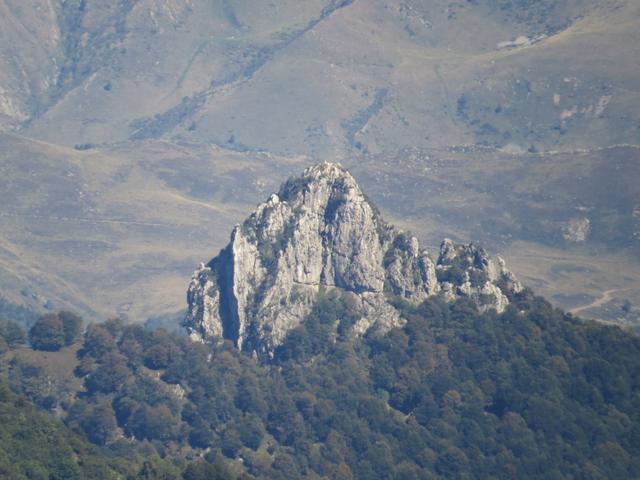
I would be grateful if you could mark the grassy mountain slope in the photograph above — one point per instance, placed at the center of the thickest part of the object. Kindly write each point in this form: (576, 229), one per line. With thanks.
(90, 229)
(186, 114)
(353, 74)
(118, 230)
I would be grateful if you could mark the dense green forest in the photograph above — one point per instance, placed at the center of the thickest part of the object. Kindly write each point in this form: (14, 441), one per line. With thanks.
(530, 393)
(35, 446)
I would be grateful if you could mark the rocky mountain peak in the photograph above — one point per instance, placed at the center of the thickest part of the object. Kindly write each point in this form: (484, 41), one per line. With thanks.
(330, 174)
(321, 232)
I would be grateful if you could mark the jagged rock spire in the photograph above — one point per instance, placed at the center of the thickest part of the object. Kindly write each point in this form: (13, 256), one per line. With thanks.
(320, 231)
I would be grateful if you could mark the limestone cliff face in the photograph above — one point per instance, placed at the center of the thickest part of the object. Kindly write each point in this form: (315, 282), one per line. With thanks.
(320, 231)
(468, 271)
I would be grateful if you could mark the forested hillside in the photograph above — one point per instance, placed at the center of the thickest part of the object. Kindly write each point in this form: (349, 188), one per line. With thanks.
(530, 393)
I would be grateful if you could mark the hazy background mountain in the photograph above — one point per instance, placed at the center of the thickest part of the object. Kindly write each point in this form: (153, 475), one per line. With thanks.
(135, 133)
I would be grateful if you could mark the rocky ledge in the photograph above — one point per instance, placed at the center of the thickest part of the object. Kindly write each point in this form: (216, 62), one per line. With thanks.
(321, 232)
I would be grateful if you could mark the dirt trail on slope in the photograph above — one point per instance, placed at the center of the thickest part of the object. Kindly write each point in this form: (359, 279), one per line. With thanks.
(606, 296)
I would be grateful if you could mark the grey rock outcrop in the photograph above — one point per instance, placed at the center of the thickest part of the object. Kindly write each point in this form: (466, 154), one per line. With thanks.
(320, 231)
(468, 271)
(576, 230)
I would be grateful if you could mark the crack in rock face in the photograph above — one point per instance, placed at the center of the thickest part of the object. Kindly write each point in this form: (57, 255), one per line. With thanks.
(321, 232)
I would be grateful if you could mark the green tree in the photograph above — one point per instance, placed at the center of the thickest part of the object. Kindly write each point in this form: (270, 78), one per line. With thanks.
(159, 469)
(96, 420)
(110, 375)
(201, 434)
(98, 341)
(71, 325)
(157, 356)
(47, 333)
(231, 443)
(153, 423)
(205, 471)
(12, 333)
(285, 466)
(251, 431)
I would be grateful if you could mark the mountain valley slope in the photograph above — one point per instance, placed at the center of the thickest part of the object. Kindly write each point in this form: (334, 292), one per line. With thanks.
(112, 220)
(367, 75)
(184, 115)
